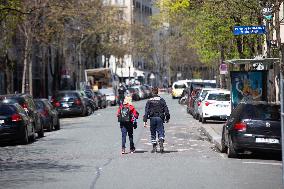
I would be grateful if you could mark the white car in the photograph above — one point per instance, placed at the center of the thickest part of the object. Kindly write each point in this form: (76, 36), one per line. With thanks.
(110, 96)
(215, 106)
(202, 95)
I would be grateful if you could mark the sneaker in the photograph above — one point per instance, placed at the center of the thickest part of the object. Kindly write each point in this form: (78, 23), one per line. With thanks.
(123, 151)
(154, 150)
(132, 150)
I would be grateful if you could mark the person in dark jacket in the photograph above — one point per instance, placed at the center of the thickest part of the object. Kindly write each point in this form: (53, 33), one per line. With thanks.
(157, 111)
(121, 94)
(127, 126)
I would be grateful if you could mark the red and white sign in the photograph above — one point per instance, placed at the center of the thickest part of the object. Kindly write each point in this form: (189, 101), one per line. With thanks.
(223, 69)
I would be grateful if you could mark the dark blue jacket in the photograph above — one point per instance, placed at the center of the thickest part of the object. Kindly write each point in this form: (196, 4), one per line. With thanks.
(156, 107)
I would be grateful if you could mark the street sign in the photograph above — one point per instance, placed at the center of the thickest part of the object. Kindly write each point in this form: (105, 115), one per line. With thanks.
(245, 30)
(223, 68)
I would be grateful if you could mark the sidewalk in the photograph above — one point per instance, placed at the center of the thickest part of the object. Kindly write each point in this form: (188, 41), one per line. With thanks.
(214, 133)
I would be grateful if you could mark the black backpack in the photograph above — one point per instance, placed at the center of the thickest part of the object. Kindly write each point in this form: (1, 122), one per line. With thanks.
(124, 114)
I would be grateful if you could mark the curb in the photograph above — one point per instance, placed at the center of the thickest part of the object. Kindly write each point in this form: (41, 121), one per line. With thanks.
(213, 136)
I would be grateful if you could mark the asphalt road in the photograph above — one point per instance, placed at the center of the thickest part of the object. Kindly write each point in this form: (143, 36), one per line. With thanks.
(85, 154)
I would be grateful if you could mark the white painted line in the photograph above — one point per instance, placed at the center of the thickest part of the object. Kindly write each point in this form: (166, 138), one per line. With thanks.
(182, 150)
(144, 139)
(261, 163)
(222, 155)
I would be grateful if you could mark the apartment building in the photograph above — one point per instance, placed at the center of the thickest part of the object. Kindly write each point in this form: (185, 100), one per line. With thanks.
(130, 65)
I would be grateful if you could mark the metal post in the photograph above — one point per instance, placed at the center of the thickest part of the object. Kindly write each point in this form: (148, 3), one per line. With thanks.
(282, 105)
(129, 75)
(282, 119)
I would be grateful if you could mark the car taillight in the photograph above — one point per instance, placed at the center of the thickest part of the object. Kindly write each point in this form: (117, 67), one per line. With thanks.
(78, 102)
(198, 103)
(56, 104)
(207, 103)
(16, 117)
(241, 126)
(25, 106)
(45, 113)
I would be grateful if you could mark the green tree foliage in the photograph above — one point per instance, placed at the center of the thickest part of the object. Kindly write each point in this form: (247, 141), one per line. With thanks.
(208, 26)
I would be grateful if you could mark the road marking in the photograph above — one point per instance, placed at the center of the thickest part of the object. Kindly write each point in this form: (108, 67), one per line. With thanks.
(182, 150)
(261, 163)
(222, 155)
(144, 139)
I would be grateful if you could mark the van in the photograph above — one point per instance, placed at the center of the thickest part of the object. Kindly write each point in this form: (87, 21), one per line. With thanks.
(178, 87)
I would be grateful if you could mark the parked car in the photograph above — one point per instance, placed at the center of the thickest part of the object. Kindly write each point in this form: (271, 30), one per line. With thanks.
(141, 92)
(91, 104)
(191, 99)
(91, 95)
(110, 96)
(15, 124)
(252, 126)
(134, 93)
(69, 103)
(197, 102)
(215, 106)
(27, 102)
(49, 115)
(102, 102)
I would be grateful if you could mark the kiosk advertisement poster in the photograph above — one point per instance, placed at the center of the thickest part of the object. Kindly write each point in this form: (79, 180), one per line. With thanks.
(247, 86)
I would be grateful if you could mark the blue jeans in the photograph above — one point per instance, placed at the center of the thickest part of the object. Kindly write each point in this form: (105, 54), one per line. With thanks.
(127, 128)
(156, 126)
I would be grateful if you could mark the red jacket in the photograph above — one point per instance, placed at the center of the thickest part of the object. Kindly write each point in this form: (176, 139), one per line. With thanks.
(132, 111)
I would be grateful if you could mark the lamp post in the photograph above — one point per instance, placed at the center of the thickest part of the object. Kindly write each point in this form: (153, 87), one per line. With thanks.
(129, 74)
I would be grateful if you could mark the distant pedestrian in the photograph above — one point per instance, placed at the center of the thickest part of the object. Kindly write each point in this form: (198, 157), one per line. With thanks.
(121, 93)
(157, 111)
(127, 116)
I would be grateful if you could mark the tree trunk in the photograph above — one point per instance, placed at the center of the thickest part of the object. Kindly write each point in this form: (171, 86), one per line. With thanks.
(25, 65)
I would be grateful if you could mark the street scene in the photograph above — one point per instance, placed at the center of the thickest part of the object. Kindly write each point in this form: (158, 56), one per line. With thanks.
(141, 94)
(85, 153)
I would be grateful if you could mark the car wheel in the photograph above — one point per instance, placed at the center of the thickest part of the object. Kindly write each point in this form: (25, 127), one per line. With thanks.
(25, 139)
(199, 118)
(203, 120)
(232, 153)
(57, 126)
(89, 111)
(41, 132)
(223, 148)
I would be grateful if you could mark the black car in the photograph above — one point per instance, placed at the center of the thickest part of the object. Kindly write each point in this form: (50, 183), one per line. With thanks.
(49, 115)
(253, 126)
(102, 102)
(133, 93)
(27, 102)
(15, 124)
(69, 103)
(91, 103)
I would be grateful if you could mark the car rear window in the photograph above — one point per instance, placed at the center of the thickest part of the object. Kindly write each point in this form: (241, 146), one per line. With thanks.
(13, 99)
(179, 86)
(262, 112)
(39, 104)
(59, 96)
(219, 97)
(7, 110)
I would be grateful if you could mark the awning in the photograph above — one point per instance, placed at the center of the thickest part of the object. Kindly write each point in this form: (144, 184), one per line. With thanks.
(252, 61)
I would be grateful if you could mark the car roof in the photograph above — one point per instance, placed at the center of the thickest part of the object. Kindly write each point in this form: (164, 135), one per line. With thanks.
(219, 91)
(259, 102)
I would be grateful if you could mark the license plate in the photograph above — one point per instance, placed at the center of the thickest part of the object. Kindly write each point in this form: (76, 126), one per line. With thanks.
(65, 105)
(222, 106)
(1, 122)
(267, 140)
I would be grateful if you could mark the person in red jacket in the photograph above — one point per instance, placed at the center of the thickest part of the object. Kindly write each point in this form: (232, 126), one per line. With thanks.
(127, 116)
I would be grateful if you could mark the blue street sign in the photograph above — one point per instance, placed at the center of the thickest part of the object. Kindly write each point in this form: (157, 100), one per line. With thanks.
(245, 30)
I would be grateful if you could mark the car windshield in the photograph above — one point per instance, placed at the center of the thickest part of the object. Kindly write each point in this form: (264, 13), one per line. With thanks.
(219, 97)
(6, 110)
(262, 112)
(179, 86)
